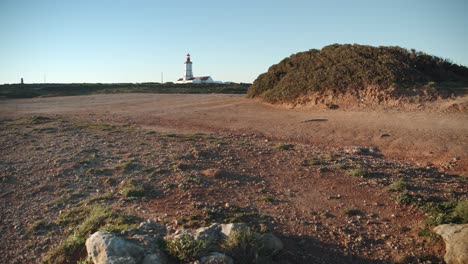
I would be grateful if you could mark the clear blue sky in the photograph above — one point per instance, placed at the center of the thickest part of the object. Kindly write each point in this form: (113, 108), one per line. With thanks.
(134, 41)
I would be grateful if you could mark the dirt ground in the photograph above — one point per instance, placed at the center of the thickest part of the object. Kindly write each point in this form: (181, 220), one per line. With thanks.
(421, 137)
(335, 186)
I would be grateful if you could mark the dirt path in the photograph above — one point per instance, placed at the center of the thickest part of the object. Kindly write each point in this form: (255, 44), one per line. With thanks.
(420, 137)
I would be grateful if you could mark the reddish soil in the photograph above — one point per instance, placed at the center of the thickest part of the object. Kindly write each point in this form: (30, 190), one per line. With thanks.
(436, 137)
(286, 169)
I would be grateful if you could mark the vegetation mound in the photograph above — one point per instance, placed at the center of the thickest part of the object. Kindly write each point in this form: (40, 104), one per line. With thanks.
(363, 73)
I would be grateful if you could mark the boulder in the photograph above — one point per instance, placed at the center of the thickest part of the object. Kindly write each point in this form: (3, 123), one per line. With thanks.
(216, 258)
(155, 258)
(456, 242)
(270, 244)
(106, 248)
(148, 242)
(151, 227)
(227, 229)
(210, 234)
(120, 260)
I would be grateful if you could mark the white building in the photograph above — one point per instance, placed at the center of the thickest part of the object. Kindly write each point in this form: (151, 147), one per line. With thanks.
(188, 76)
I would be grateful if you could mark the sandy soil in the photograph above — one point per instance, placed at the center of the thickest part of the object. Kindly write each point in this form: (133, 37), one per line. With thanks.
(298, 172)
(420, 137)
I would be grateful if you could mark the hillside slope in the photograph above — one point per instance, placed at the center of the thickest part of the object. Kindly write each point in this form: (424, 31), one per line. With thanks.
(365, 73)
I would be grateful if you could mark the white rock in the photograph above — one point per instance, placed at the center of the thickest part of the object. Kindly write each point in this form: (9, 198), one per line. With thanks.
(106, 248)
(227, 229)
(456, 242)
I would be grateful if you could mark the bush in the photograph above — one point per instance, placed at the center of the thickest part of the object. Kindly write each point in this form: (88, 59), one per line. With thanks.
(84, 221)
(186, 248)
(447, 212)
(460, 213)
(285, 146)
(352, 212)
(358, 172)
(243, 245)
(61, 89)
(341, 69)
(131, 188)
(399, 185)
(404, 198)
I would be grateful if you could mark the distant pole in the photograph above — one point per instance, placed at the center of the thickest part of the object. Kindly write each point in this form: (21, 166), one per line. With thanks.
(22, 81)
(45, 79)
(162, 79)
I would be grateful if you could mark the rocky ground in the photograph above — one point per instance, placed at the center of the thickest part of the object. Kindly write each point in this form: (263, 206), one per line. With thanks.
(327, 204)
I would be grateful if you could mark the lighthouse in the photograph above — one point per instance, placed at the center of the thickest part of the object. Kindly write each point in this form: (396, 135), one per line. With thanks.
(188, 68)
(188, 75)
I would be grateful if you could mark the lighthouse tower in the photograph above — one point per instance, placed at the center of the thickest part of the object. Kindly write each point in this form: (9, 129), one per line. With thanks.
(188, 69)
(188, 76)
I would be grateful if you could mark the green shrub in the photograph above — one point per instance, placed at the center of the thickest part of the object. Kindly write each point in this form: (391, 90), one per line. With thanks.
(341, 69)
(460, 213)
(243, 245)
(358, 172)
(447, 212)
(404, 198)
(132, 188)
(61, 89)
(352, 212)
(341, 166)
(186, 248)
(83, 221)
(267, 198)
(36, 226)
(285, 146)
(399, 185)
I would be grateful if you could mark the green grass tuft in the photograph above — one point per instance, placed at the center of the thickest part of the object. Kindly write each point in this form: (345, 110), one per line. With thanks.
(243, 245)
(399, 185)
(132, 188)
(352, 212)
(186, 248)
(285, 146)
(266, 198)
(358, 172)
(404, 198)
(83, 221)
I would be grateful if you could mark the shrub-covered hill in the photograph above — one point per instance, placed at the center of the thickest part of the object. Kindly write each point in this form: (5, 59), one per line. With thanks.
(377, 74)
